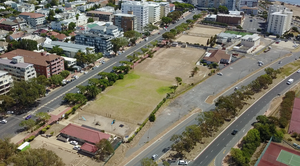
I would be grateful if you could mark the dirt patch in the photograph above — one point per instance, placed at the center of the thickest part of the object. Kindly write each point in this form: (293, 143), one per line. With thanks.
(192, 39)
(206, 30)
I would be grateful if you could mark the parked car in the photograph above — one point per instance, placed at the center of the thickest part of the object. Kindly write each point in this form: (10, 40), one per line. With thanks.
(74, 142)
(234, 132)
(28, 117)
(166, 149)
(76, 147)
(3, 121)
(182, 162)
(236, 88)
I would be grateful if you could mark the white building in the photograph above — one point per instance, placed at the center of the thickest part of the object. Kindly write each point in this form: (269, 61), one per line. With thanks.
(250, 41)
(58, 25)
(106, 9)
(140, 9)
(70, 61)
(75, 3)
(5, 82)
(164, 9)
(154, 12)
(280, 21)
(248, 3)
(33, 19)
(17, 68)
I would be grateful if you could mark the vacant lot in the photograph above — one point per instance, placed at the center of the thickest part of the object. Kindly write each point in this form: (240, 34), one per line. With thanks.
(174, 62)
(192, 39)
(206, 30)
(131, 99)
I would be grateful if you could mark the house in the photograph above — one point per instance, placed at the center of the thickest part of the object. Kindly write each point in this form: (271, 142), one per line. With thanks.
(17, 68)
(25, 7)
(44, 63)
(109, 9)
(69, 49)
(63, 24)
(5, 82)
(17, 35)
(74, 4)
(36, 38)
(223, 38)
(172, 7)
(89, 149)
(33, 19)
(58, 36)
(249, 10)
(9, 25)
(40, 31)
(217, 56)
(83, 135)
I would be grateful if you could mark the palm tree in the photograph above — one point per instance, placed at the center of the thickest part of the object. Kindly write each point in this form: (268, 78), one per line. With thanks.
(195, 71)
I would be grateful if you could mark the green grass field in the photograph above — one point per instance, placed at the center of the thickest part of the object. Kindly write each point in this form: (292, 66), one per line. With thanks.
(238, 33)
(131, 99)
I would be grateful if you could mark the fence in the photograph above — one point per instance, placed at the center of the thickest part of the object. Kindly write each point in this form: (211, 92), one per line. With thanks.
(262, 154)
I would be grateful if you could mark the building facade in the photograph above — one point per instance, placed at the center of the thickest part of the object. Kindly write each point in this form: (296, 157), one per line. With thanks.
(230, 4)
(17, 68)
(154, 12)
(44, 63)
(230, 19)
(248, 3)
(164, 9)
(140, 10)
(33, 19)
(102, 16)
(280, 22)
(9, 25)
(127, 22)
(250, 40)
(99, 37)
(5, 82)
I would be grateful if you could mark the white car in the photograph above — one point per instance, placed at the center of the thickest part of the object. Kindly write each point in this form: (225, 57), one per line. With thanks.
(298, 71)
(220, 74)
(154, 156)
(74, 142)
(4, 121)
(85, 72)
(76, 147)
(182, 162)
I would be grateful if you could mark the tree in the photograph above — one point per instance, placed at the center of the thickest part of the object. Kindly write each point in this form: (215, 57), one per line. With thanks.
(150, 28)
(152, 117)
(57, 50)
(118, 43)
(166, 20)
(194, 71)
(75, 98)
(25, 44)
(6, 103)
(168, 35)
(92, 90)
(32, 157)
(223, 9)
(51, 15)
(28, 124)
(42, 80)
(71, 26)
(173, 88)
(90, 20)
(207, 43)
(105, 149)
(58, 11)
(65, 73)
(165, 163)
(175, 15)
(148, 162)
(238, 156)
(56, 79)
(132, 34)
(178, 80)
(295, 29)
(43, 116)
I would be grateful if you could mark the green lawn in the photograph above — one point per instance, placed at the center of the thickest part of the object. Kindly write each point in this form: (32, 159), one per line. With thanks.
(238, 33)
(131, 99)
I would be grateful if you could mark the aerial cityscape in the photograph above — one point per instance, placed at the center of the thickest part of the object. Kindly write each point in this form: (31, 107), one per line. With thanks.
(149, 83)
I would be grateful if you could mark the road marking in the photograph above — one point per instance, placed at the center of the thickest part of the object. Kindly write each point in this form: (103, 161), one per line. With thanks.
(211, 151)
(218, 145)
(69, 90)
(243, 130)
(224, 151)
(206, 156)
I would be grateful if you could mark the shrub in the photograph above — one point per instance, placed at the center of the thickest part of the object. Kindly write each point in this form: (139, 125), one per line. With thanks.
(48, 127)
(121, 76)
(294, 135)
(289, 139)
(52, 133)
(152, 117)
(30, 138)
(43, 130)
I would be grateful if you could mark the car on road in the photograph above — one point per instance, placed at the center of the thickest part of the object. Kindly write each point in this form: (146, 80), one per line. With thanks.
(154, 156)
(182, 162)
(74, 142)
(220, 74)
(250, 20)
(28, 117)
(166, 149)
(279, 62)
(234, 132)
(3, 121)
(298, 71)
(236, 88)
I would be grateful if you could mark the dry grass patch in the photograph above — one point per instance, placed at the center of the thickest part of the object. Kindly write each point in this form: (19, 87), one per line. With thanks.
(192, 39)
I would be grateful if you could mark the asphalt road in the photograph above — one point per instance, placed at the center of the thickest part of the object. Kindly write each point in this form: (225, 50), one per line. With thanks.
(54, 99)
(214, 84)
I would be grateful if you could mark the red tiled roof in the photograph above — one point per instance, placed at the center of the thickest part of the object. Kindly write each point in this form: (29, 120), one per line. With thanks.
(41, 31)
(172, 5)
(217, 55)
(295, 119)
(41, 59)
(52, 33)
(83, 133)
(32, 15)
(89, 147)
(60, 36)
(17, 35)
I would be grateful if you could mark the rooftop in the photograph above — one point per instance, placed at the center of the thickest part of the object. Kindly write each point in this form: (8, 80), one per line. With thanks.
(9, 23)
(89, 147)
(32, 15)
(66, 46)
(9, 62)
(100, 12)
(3, 72)
(83, 133)
(227, 35)
(17, 35)
(41, 59)
(251, 37)
(124, 14)
(229, 15)
(216, 56)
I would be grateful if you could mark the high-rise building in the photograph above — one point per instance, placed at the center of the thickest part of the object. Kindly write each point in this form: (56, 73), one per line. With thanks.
(164, 9)
(5, 82)
(154, 12)
(125, 21)
(279, 19)
(140, 10)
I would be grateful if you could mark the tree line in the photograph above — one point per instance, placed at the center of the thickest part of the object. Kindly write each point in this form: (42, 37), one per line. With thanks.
(227, 107)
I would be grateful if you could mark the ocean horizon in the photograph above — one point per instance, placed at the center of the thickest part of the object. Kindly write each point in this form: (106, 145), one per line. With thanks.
(296, 2)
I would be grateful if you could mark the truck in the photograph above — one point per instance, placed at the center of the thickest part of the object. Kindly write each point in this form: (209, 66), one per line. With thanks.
(290, 81)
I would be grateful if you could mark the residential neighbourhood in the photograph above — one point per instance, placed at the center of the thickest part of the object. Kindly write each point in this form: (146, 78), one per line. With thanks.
(139, 83)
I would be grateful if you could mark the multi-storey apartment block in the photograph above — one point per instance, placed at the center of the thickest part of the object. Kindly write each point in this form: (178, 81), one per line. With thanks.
(5, 82)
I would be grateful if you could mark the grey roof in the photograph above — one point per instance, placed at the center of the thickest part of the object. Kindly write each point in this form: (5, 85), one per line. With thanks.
(9, 62)
(9, 23)
(227, 35)
(112, 27)
(98, 28)
(66, 46)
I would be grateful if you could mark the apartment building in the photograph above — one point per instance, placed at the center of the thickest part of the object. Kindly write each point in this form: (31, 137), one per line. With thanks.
(59, 25)
(9, 25)
(248, 3)
(5, 82)
(17, 68)
(140, 9)
(154, 12)
(44, 63)
(99, 37)
(210, 3)
(102, 16)
(280, 22)
(69, 49)
(33, 19)
(230, 19)
(164, 9)
(127, 22)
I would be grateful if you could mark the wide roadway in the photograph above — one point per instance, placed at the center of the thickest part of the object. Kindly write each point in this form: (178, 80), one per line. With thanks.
(54, 99)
